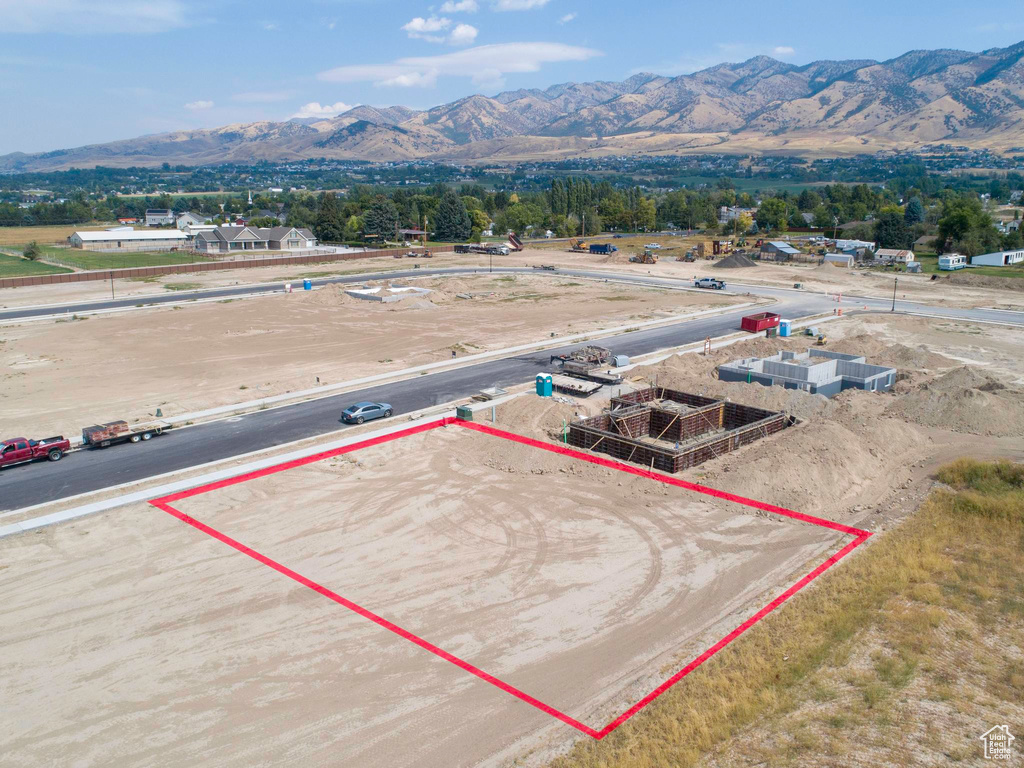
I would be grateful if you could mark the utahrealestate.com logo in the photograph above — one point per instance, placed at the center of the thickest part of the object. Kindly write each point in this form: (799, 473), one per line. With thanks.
(998, 743)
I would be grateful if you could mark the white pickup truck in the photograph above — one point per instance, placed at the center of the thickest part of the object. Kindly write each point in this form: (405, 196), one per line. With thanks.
(709, 282)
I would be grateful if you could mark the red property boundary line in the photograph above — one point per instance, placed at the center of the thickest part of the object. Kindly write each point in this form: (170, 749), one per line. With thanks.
(860, 536)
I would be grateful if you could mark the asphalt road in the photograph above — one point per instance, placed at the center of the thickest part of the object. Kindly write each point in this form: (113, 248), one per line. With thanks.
(90, 470)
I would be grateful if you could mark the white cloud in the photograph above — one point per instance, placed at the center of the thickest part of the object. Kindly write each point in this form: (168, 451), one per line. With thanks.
(261, 97)
(519, 5)
(567, 18)
(783, 50)
(316, 109)
(91, 16)
(198, 105)
(269, 26)
(459, 6)
(427, 29)
(463, 34)
(483, 64)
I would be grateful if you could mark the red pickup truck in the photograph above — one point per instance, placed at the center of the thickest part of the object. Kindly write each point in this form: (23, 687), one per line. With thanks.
(20, 449)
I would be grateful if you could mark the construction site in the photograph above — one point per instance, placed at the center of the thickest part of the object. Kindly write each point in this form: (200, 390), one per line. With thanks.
(523, 565)
(672, 431)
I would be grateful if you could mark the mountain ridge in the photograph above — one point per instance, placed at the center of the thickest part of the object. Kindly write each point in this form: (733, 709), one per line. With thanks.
(760, 105)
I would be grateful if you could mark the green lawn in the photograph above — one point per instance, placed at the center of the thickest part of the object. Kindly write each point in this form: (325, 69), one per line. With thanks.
(14, 266)
(930, 265)
(73, 257)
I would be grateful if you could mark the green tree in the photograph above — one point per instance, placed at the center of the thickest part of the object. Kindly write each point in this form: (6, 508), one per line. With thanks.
(452, 221)
(891, 231)
(381, 218)
(328, 227)
(772, 214)
(480, 221)
(914, 214)
(32, 251)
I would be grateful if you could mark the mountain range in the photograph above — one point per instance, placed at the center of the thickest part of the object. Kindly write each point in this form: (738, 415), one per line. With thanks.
(826, 108)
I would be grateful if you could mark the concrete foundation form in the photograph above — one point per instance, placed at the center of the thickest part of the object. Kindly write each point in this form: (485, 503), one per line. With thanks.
(817, 371)
(671, 431)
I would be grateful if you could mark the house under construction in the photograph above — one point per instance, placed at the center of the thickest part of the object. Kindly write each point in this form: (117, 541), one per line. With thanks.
(671, 431)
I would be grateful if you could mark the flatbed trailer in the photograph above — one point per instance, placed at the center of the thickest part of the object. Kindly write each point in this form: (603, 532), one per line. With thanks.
(113, 432)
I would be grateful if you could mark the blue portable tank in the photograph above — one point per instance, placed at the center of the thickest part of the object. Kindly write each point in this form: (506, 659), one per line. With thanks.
(307, 285)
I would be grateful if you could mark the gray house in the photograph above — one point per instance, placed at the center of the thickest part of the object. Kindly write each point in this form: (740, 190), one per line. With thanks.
(232, 240)
(158, 217)
(288, 238)
(190, 219)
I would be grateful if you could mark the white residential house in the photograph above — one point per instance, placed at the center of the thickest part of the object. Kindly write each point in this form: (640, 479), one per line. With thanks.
(158, 217)
(189, 219)
(893, 256)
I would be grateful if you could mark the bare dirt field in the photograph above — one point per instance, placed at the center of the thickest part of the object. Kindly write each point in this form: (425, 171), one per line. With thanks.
(577, 584)
(60, 376)
(133, 638)
(957, 289)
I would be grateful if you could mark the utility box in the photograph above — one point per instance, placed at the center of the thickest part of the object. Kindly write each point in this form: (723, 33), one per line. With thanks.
(621, 361)
(464, 413)
(544, 385)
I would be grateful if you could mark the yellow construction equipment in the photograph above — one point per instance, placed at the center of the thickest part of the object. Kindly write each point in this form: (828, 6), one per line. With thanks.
(579, 246)
(647, 257)
(822, 339)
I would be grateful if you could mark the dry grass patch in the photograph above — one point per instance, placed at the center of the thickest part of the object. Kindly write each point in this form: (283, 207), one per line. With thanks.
(904, 654)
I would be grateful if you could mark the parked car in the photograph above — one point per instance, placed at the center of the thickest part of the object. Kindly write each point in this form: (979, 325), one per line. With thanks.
(653, 246)
(365, 411)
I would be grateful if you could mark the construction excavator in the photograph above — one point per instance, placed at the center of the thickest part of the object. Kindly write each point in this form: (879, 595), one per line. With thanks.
(578, 246)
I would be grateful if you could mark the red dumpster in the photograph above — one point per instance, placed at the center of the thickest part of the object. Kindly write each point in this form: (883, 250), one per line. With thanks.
(759, 322)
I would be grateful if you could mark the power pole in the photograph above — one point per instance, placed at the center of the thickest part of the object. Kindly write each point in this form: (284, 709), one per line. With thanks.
(894, 281)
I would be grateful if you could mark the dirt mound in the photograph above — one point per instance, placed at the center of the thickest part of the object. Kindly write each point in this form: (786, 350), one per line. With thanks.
(987, 281)
(333, 296)
(898, 356)
(532, 415)
(963, 400)
(734, 261)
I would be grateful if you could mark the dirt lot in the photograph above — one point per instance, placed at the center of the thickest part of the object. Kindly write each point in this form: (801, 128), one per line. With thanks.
(527, 564)
(958, 289)
(61, 376)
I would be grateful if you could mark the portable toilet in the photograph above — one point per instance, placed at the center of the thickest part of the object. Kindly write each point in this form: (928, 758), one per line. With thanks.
(544, 385)
(307, 284)
(784, 327)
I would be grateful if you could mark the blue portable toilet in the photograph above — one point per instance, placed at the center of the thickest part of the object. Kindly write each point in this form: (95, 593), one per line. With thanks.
(307, 285)
(784, 326)
(544, 385)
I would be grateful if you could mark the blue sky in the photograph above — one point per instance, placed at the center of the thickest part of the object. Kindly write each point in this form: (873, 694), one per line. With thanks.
(75, 72)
